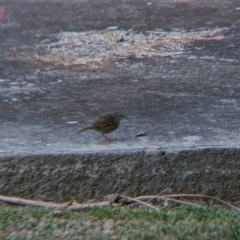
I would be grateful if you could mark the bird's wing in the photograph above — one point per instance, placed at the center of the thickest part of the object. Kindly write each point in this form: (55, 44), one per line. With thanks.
(104, 121)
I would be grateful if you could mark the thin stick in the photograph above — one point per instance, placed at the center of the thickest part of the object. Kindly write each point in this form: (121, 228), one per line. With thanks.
(148, 198)
(140, 202)
(128, 31)
(164, 190)
(191, 196)
(114, 199)
(33, 203)
(203, 196)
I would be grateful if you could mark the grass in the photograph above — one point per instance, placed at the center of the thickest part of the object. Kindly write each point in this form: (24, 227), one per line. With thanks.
(180, 223)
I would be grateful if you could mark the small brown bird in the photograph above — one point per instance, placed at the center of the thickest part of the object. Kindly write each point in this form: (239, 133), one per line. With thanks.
(105, 124)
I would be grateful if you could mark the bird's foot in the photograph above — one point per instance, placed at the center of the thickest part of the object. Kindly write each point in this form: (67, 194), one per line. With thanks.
(106, 139)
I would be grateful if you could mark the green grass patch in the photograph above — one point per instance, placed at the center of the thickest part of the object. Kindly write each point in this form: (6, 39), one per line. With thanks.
(181, 223)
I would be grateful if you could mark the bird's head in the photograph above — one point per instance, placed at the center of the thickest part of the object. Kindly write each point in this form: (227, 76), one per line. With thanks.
(118, 115)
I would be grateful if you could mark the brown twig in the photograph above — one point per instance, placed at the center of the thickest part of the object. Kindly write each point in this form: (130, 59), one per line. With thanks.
(113, 199)
(139, 201)
(171, 196)
(159, 194)
(164, 198)
(33, 203)
(203, 196)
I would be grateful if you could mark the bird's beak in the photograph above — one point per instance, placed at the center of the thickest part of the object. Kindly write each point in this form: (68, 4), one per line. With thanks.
(123, 116)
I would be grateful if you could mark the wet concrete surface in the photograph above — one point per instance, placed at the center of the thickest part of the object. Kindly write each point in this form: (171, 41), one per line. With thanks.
(182, 91)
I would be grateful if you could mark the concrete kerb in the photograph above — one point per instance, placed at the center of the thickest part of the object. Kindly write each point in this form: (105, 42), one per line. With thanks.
(88, 176)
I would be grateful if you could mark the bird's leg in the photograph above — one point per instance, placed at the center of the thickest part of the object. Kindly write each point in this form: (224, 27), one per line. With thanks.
(106, 139)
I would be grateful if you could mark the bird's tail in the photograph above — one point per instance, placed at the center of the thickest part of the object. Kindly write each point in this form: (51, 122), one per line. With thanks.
(86, 128)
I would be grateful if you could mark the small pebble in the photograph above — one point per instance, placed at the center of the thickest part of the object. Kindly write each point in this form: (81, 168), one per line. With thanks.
(72, 122)
(112, 28)
(141, 134)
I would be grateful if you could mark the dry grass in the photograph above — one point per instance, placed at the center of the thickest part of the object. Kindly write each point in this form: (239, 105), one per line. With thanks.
(95, 49)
